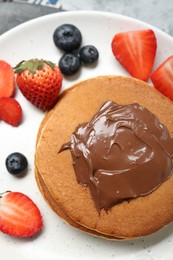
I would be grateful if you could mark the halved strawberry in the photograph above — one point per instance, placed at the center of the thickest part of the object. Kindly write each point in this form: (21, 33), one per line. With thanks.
(7, 83)
(19, 215)
(10, 111)
(162, 77)
(136, 51)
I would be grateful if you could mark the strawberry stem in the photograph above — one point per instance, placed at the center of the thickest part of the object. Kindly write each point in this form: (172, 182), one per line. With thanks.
(32, 65)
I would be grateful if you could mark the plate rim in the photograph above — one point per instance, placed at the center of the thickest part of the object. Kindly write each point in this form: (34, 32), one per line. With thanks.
(85, 13)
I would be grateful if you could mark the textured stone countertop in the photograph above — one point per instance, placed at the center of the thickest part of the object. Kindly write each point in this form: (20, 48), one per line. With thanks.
(154, 12)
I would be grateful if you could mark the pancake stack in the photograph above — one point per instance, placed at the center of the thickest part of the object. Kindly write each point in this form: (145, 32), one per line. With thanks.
(55, 174)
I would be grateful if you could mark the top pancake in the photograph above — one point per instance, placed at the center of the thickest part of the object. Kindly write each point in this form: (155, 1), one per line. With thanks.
(136, 218)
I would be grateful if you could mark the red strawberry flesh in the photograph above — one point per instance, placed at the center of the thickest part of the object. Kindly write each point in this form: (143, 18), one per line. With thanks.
(10, 111)
(136, 51)
(7, 84)
(19, 216)
(162, 77)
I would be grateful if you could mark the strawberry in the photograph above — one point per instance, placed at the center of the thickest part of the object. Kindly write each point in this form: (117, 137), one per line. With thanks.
(39, 81)
(10, 111)
(19, 215)
(162, 77)
(7, 83)
(136, 51)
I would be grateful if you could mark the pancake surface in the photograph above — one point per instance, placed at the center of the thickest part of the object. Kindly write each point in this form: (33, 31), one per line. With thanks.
(58, 210)
(132, 219)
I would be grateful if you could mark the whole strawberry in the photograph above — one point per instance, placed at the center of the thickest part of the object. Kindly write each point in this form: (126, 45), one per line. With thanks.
(39, 81)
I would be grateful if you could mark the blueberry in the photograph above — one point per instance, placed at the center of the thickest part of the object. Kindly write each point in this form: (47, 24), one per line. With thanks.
(88, 54)
(67, 37)
(69, 63)
(16, 163)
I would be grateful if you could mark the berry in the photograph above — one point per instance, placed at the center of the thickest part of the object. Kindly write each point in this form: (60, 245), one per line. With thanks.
(7, 84)
(19, 215)
(39, 81)
(88, 54)
(136, 51)
(16, 163)
(67, 37)
(69, 64)
(162, 77)
(10, 111)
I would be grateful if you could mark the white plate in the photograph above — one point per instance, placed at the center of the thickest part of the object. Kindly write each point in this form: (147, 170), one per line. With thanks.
(58, 240)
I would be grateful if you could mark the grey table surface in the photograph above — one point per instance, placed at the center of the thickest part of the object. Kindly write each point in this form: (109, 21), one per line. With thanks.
(158, 13)
(155, 12)
(13, 14)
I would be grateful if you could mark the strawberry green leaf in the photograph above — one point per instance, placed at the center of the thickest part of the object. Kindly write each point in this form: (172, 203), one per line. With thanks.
(32, 65)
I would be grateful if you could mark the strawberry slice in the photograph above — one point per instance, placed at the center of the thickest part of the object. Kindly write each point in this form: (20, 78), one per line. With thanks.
(162, 77)
(10, 111)
(136, 51)
(7, 82)
(19, 216)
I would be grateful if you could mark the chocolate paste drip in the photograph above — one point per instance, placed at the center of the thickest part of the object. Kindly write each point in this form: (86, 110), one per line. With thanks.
(124, 152)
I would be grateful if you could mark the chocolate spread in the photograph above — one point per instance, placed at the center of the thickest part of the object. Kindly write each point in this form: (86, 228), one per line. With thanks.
(124, 152)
